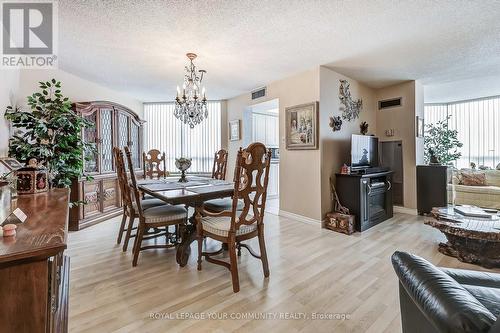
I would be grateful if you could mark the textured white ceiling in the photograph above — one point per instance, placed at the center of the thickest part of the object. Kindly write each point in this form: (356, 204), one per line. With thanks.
(139, 46)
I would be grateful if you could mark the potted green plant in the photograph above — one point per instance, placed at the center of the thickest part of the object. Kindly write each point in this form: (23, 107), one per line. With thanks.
(51, 133)
(441, 143)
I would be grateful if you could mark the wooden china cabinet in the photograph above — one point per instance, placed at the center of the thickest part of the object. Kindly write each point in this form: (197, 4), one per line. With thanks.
(114, 126)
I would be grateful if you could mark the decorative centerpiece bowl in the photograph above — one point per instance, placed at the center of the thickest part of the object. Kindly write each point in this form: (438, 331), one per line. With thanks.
(183, 164)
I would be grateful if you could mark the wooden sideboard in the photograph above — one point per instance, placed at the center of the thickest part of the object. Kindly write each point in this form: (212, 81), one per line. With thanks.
(34, 272)
(114, 126)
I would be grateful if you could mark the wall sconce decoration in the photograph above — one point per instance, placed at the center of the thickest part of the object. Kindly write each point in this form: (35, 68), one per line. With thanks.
(351, 108)
(335, 123)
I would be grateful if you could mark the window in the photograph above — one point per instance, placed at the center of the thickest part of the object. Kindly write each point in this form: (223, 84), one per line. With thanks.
(168, 134)
(478, 126)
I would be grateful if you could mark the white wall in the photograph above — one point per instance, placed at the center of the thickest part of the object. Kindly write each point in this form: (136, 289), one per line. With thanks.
(9, 86)
(16, 85)
(74, 87)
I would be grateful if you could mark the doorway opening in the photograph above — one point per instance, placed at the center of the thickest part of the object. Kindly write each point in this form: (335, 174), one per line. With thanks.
(262, 125)
(392, 157)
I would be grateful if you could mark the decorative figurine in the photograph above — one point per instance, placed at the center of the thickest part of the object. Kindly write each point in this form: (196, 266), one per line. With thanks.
(336, 123)
(183, 164)
(363, 128)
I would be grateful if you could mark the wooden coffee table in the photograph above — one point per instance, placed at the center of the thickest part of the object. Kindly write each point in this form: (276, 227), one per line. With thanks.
(472, 240)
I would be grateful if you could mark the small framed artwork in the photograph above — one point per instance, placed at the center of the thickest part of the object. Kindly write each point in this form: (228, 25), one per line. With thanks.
(302, 126)
(234, 130)
(420, 127)
(10, 163)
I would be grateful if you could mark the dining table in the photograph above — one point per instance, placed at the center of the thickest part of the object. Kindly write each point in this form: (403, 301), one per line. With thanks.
(192, 193)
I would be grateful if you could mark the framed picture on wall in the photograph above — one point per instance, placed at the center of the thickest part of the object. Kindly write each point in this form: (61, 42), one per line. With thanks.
(302, 126)
(420, 127)
(234, 130)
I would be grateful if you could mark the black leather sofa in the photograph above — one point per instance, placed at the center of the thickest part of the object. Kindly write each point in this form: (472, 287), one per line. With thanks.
(436, 299)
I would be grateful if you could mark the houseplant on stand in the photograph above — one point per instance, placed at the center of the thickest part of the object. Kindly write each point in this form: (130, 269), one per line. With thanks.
(441, 147)
(441, 142)
(50, 132)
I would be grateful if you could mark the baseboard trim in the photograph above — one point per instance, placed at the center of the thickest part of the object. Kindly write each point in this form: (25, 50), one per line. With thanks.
(300, 218)
(404, 210)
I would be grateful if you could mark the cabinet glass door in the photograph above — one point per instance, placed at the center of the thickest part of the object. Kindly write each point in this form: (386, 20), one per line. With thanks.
(106, 140)
(90, 136)
(135, 144)
(122, 130)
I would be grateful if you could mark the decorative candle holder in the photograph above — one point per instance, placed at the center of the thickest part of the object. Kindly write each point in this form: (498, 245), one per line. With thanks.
(32, 178)
(183, 164)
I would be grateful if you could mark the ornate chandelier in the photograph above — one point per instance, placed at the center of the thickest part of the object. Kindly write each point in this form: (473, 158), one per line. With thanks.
(191, 106)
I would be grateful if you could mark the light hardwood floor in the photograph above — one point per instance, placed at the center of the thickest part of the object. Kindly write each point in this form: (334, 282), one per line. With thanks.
(312, 271)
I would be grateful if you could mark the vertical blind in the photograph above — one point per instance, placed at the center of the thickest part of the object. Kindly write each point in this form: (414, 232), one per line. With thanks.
(478, 125)
(163, 131)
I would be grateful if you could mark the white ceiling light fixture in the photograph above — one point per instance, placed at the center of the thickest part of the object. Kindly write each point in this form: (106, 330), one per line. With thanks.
(191, 106)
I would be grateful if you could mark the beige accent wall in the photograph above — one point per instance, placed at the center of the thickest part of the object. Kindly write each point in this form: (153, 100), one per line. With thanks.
(76, 88)
(224, 125)
(300, 172)
(335, 147)
(9, 86)
(403, 121)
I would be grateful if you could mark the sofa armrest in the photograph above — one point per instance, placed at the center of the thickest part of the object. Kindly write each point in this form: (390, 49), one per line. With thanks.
(474, 278)
(442, 300)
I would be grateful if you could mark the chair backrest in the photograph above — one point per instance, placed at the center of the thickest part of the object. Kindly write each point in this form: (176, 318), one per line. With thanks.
(251, 177)
(121, 172)
(134, 189)
(220, 164)
(151, 164)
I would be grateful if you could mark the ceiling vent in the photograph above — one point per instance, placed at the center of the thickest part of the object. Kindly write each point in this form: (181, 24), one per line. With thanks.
(389, 103)
(261, 92)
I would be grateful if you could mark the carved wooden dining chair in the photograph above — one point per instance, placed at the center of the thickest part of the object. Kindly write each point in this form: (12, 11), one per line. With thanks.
(231, 227)
(155, 218)
(128, 202)
(219, 172)
(220, 164)
(152, 162)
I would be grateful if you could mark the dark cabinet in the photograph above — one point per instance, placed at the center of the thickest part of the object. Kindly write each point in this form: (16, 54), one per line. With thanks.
(114, 125)
(368, 197)
(432, 182)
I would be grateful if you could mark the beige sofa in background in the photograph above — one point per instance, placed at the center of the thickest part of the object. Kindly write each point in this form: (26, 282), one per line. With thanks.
(482, 196)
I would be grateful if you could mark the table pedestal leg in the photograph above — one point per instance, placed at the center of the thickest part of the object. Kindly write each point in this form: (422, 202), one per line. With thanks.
(188, 235)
